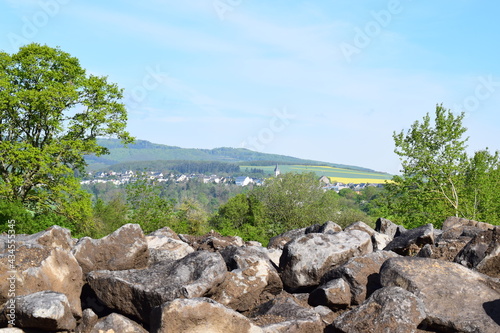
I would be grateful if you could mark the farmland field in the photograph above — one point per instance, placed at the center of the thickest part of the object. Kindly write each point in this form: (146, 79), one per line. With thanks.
(335, 174)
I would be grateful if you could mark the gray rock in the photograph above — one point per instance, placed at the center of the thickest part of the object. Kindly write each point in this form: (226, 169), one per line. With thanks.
(292, 317)
(335, 294)
(458, 223)
(380, 241)
(137, 292)
(39, 268)
(126, 248)
(279, 242)
(44, 310)
(455, 298)
(199, 315)
(164, 248)
(482, 253)
(411, 241)
(53, 237)
(330, 228)
(387, 227)
(252, 279)
(307, 258)
(89, 319)
(361, 273)
(361, 226)
(117, 323)
(388, 310)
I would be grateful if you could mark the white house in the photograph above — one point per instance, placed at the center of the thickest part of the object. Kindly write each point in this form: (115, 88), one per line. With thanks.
(243, 181)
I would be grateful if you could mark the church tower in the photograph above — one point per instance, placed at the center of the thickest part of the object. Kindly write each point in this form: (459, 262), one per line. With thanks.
(277, 171)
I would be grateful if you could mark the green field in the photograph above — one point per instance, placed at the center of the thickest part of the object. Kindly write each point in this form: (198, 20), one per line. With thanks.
(335, 174)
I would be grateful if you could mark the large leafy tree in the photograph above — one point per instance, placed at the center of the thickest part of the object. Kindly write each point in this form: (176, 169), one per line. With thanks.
(51, 113)
(437, 177)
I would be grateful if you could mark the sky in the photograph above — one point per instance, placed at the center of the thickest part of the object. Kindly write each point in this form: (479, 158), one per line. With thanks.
(324, 80)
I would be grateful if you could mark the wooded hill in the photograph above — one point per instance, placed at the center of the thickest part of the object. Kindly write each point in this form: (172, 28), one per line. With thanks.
(146, 155)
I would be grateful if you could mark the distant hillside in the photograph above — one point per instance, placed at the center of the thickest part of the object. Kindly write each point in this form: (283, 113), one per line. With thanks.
(143, 153)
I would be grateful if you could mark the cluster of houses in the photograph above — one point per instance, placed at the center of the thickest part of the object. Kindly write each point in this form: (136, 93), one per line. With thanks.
(131, 176)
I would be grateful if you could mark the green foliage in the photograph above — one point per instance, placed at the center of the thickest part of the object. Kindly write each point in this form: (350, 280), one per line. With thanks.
(438, 179)
(28, 222)
(51, 113)
(284, 203)
(147, 207)
(190, 218)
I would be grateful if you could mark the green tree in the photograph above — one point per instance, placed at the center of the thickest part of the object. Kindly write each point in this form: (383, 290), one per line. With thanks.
(481, 183)
(147, 207)
(438, 179)
(51, 113)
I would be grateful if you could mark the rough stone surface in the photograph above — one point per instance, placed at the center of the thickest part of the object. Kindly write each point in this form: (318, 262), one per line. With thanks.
(330, 228)
(137, 292)
(252, 279)
(39, 268)
(89, 319)
(482, 253)
(279, 242)
(380, 241)
(387, 227)
(388, 310)
(361, 273)
(335, 294)
(212, 241)
(444, 249)
(361, 226)
(44, 310)
(199, 315)
(307, 258)
(411, 241)
(460, 224)
(126, 248)
(117, 323)
(165, 248)
(53, 237)
(455, 298)
(288, 316)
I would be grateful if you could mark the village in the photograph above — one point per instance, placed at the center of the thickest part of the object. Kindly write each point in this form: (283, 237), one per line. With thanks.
(129, 176)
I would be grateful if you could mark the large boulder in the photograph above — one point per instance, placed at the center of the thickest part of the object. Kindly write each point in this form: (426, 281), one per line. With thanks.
(279, 241)
(212, 241)
(411, 241)
(117, 323)
(335, 294)
(39, 268)
(361, 273)
(284, 314)
(306, 259)
(387, 227)
(252, 278)
(388, 310)
(53, 237)
(136, 292)
(460, 225)
(482, 253)
(199, 315)
(44, 310)
(361, 226)
(455, 298)
(165, 248)
(126, 248)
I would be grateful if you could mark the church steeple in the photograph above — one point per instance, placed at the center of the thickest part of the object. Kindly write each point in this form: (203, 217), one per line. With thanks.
(277, 171)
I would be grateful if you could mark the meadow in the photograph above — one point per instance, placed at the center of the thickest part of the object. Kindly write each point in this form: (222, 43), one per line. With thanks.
(335, 174)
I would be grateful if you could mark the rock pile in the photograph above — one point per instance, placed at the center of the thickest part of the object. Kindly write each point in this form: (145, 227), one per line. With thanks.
(315, 279)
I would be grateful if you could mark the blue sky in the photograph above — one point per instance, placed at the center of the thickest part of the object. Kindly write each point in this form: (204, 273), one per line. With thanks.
(324, 80)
